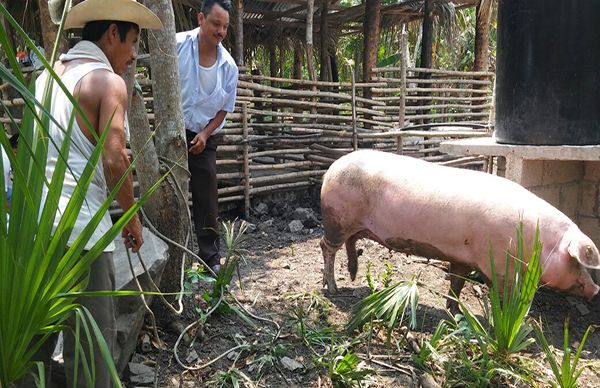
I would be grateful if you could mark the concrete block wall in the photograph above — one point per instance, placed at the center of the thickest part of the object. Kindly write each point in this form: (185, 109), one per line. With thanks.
(571, 186)
(588, 218)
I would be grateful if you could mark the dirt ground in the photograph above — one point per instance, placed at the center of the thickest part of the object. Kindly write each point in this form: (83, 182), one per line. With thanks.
(281, 266)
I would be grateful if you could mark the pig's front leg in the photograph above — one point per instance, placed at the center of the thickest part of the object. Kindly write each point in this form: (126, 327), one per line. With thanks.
(329, 252)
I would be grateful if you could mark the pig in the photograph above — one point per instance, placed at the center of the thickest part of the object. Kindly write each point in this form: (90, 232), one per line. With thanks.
(456, 215)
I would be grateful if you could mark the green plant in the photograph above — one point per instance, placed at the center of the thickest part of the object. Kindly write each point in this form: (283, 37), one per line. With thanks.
(388, 305)
(388, 273)
(510, 304)
(369, 276)
(565, 372)
(431, 347)
(40, 276)
(231, 378)
(343, 367)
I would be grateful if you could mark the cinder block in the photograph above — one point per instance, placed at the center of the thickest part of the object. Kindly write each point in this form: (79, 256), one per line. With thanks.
(591, 227)
(549, 193)
(561, 171)
(569, 195)
(588, 204)
(592, 171)
(531, 173)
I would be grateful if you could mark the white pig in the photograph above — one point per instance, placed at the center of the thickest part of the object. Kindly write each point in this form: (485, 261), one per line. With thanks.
(447, 213)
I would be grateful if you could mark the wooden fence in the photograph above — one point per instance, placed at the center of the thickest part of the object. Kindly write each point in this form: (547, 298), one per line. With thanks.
(285, 133)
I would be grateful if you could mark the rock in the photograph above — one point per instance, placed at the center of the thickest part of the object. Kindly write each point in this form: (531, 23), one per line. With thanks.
(191, 357)
(138, 369)
(287, 266)
(140, 373)
(232, 356)
(268, 223)
(307, 216)
(295, 226)
(260, 209)
(582, 308)
(427, 381)
(291, 364)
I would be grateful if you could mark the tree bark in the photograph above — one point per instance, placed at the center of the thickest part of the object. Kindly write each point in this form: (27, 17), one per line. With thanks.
(482, 39)
(371, 37)
(239, 33)
(482, 35)
(171, 147)
(49, 29)
(273, 60)
(325, 73)
(297, 69)
(426, 49)
(310, 60)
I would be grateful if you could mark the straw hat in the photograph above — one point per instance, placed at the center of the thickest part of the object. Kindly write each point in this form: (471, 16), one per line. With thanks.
(119, 10)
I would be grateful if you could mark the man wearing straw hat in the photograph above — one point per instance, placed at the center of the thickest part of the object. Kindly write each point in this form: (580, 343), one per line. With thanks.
(208, 78)
(92, 72)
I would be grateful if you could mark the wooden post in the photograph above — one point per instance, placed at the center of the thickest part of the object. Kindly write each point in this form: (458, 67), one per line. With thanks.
(239, 33)
(354, 132)
(403, 66)
(325, 74)
(246, 160)
(310, 61)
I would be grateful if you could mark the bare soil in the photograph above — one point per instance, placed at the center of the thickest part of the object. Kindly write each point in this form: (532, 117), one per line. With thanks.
(281, 266)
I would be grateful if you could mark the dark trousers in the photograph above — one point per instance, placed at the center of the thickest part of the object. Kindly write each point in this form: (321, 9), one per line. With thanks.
(205, 205)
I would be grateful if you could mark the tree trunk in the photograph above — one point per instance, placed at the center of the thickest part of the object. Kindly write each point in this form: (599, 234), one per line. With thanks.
(171, 147)
(49, 29)
(426, 50)
(482, 35)
(297, 69)
(310, 60)
(335, 74)
(8, 29)
(273, 61)
(482, 40)
(324, 52)
(239, 33)
(371, 37)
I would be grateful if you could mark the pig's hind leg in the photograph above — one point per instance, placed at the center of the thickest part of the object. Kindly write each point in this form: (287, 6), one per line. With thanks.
(458, 274)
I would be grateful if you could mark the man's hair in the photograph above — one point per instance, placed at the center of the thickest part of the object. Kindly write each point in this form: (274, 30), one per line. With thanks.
(94, 30)
(207, 5)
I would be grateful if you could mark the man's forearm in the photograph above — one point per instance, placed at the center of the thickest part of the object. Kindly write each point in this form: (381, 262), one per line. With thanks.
(113, 171)
(214, 123)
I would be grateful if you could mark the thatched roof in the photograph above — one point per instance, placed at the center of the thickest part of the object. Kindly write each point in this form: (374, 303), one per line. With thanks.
(269, 21)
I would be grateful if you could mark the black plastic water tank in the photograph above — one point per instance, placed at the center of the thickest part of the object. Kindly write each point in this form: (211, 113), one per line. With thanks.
(548, 72)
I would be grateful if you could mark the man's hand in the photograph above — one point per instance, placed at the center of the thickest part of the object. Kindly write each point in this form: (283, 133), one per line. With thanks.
(198, 143)
(132, 234)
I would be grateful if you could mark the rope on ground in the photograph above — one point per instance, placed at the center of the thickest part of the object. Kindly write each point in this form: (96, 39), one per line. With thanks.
(139, 286)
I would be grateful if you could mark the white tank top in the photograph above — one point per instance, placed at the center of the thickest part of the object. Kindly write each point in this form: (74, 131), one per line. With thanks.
(79, 153)
(208, 79)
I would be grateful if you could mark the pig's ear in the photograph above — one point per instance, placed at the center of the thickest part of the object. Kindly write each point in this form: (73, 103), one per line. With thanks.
(585, 252)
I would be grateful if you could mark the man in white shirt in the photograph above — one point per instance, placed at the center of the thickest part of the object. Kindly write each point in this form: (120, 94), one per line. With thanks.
(208, 76)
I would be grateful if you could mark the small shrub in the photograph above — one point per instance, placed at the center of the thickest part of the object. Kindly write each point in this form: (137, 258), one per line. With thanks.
(565, 372)
(388, 305)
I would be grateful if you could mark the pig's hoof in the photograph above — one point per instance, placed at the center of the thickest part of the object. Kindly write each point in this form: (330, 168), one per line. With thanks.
(332, 289)
(452, 306)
